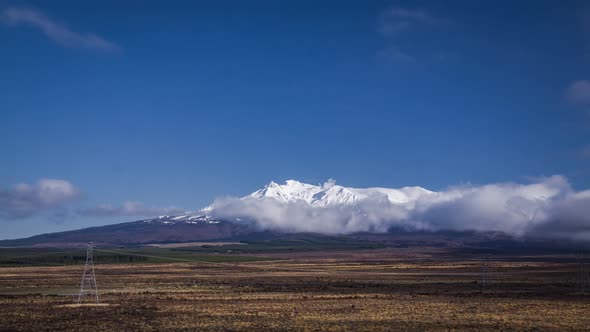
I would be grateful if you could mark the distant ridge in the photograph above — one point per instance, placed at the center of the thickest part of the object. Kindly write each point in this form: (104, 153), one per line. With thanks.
(153, 230)
(190, 228)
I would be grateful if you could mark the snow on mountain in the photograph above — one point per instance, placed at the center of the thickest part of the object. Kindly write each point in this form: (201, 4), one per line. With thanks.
(290, 191)
(186, 219)
(331, 194)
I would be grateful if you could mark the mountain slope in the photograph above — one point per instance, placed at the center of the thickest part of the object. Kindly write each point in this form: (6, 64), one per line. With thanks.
(191, 228)
(160, 229)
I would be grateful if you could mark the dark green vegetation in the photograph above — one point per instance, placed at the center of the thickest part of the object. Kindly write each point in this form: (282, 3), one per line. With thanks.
(289, 244)
(205, 253)
(57, 257)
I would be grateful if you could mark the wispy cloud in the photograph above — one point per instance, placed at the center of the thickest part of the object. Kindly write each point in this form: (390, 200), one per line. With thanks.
(394, 54)
(55, 31)
(584, 152)
(395, 20)
(129, 209)
(25, 200)
(578, 93)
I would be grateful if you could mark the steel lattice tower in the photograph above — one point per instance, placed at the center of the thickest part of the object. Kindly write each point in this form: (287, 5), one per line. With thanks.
(583, 275)
(484, 273)
(88, 284)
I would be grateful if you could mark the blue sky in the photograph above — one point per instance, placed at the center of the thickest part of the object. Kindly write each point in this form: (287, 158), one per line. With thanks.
(172, 104)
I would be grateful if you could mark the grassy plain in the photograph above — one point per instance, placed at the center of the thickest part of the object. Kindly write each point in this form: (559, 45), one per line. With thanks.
(354, 290)
(16, 257)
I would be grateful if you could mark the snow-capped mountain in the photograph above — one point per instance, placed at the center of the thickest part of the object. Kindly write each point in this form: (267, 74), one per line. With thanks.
(330, 210)
(330, 194)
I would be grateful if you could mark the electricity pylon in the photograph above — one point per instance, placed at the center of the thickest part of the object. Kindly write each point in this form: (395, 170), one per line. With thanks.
(484, 273)
(583, 275)
(88, 283)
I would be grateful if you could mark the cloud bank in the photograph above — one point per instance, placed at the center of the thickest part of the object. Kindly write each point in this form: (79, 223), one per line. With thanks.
(545, 208)
(25, 200)
(55, 31)
(129, 209)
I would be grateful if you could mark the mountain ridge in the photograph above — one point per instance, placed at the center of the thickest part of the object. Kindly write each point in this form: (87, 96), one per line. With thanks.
(330, 194)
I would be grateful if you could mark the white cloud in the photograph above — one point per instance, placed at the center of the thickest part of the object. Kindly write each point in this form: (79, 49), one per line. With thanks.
(129, 208)
(25, 200)
(55, 31)
(329, 183)
(578, 93)
(548, 207)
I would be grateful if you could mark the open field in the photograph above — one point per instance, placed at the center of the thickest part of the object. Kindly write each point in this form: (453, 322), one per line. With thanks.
(179, 252)
(16, 257)
(377, 289)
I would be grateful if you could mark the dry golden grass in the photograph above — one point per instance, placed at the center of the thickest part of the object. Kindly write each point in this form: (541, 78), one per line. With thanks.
(82, 305)
(355, 291)
(192, 244)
